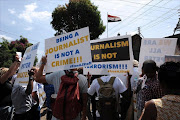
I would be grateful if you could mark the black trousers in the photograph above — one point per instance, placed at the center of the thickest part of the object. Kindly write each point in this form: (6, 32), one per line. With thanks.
(32, 114)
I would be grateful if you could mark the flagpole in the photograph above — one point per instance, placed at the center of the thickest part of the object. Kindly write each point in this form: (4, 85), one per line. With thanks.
(107, 24)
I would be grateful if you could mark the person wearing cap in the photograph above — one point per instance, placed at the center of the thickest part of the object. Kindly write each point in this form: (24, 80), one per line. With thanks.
(55, 79)
(167, 107)
(135, 75)
(148, 86)
(134, 80)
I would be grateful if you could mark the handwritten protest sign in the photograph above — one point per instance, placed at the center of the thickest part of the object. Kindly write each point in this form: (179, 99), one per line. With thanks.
(111, 56)
(26, 64)
(172, 58)
(68, 51)
(156, 49)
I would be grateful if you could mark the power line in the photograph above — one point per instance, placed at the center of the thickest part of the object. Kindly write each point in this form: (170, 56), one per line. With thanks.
(160, 21)
(123, 10)
(136, 6)
(154, 20)
(147, 5)
(133, 14)
(156, 23)
(159, 17)
(135, 17)
(138, 16)
(138, 3)
(159, 32)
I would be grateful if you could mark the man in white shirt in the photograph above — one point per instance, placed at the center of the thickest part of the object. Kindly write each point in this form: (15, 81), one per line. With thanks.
(118, 86)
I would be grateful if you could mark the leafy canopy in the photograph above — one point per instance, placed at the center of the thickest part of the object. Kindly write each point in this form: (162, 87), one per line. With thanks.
(8, 50)
(76, 15)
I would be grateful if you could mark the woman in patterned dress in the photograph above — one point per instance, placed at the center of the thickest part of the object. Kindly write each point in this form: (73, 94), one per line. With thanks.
(167, 107)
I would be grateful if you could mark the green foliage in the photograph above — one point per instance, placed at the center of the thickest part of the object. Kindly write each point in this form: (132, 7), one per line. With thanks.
(8, 50)
(20, 45)
(6, 56)
(77, 15)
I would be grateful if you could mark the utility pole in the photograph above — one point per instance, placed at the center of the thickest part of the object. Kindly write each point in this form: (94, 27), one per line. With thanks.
(139, 31)
(177, 28)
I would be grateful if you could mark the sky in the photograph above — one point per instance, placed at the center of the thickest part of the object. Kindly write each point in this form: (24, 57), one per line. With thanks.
(31, 18)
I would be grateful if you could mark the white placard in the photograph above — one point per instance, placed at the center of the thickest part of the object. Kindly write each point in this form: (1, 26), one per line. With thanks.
(68, 51)
(19, 55)
(111, 56)
(26, 64)
(156, 49)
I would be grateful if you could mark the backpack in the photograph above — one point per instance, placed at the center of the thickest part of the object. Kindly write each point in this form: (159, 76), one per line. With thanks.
(107, 104)
(67, 104)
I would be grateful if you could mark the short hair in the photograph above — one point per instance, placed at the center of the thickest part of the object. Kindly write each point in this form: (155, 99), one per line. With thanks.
(169, 74)
(149, 66)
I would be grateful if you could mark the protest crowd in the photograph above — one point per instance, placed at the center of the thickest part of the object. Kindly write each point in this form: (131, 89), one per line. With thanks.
(69, 94)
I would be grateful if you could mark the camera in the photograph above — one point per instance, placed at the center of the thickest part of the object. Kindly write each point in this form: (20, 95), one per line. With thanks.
(31, 72)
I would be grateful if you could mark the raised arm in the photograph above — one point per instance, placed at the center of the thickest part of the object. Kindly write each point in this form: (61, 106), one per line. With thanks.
(30, 83)
(127, 94)
(11, 71)
(88, 79)
(40, 78)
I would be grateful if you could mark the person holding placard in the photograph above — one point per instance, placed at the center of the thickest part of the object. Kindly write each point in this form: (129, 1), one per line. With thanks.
(25, 106)
(167, 107)
(55, 79)
(6, 88)
(38, 93)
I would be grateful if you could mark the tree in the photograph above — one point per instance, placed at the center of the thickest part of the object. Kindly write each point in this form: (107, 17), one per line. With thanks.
(20, 45)
(6, 57)
(76, 15)
(8, 50)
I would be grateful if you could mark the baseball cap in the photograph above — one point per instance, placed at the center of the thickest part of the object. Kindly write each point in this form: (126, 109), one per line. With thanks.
(135, 63)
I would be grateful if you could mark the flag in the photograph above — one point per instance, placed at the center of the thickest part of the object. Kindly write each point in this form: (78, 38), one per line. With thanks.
(113, 18)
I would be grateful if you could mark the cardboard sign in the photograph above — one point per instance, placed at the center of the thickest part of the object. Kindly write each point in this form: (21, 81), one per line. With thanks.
(156, 49)
(111, 56)
(68, 51)
(26, 64)
(172, 58)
